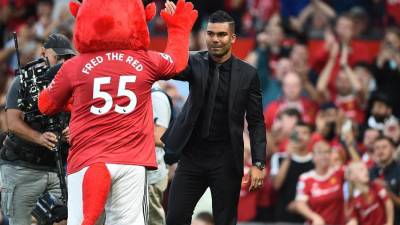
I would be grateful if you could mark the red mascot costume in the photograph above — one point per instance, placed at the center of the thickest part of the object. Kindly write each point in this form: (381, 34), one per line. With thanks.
(111, 123)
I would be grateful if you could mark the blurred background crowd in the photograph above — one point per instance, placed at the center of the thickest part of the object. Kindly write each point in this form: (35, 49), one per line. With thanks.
(329, 71)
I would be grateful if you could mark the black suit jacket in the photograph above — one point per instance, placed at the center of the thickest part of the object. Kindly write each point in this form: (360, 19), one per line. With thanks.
(244, 100)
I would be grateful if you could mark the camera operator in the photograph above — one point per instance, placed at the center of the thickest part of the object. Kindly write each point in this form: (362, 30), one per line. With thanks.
(28, 167)
(57, 48)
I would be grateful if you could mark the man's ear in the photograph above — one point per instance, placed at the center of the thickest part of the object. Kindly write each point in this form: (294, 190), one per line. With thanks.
(233, 38)
(74, 8)
(150, 11)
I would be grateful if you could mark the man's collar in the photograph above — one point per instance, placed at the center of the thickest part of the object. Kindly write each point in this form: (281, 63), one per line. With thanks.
(227, 65)
(388, 166)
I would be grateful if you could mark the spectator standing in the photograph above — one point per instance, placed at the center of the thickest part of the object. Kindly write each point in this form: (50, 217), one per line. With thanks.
(363, 72)
(387, 171)
(342, 35)
(300, 61)
(28, 167)
(158, 179)
(209, 130)
(386, 68)
(283, 127)
(367, 147)
(285, 171)
(369, 202)
(292, 98)
(381, 112)
(348, 95)
(320, 191)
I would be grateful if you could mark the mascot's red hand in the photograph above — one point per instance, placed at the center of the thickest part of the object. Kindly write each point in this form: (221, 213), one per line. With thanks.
(183, 18)
(179, 27)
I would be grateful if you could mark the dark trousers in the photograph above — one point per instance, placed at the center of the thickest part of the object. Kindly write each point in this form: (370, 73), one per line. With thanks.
(201, 167)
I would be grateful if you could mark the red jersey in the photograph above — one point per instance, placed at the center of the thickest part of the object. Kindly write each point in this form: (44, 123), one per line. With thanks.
(358, 52)
(351, 107)
(393, 9)
(307, 108)
(369, 208)
(324, 194)
(111, 116)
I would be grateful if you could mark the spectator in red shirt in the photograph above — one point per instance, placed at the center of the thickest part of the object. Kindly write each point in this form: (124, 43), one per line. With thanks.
(387, 171)
(386, 68)
(292, 87)
(320, 191)
(369, 202)
(341, 36)
(348, 95)
(393, 11)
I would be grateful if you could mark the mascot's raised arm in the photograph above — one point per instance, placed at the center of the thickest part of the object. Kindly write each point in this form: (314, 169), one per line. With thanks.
(126, 31)
(111, 126)
(122, 25)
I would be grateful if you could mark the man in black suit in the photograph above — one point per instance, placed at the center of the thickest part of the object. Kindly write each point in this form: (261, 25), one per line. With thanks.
(209, 130)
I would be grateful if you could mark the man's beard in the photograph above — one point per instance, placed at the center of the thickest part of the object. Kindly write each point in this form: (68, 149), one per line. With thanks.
(380, 118)
(220, 54)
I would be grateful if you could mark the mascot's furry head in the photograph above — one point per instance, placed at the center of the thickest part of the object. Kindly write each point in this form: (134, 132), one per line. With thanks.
(111, 24)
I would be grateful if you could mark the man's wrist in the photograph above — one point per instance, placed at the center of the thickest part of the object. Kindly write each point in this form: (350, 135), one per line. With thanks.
(35, 137)
(260, 165)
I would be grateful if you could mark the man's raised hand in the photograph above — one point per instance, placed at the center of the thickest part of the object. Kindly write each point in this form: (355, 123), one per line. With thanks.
(181, 16)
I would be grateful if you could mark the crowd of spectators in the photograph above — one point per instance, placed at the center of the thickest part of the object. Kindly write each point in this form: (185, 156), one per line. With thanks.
(332, 120)
(324, 115)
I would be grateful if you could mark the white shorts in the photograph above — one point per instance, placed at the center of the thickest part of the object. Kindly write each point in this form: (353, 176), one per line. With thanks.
(126, 202)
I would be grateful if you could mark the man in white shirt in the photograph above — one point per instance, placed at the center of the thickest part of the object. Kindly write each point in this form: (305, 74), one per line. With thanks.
(158, 179)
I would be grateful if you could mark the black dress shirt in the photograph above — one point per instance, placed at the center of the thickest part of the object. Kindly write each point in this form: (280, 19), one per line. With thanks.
(219, 127)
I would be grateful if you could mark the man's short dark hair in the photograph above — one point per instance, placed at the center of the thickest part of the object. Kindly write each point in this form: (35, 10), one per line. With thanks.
(292, 112)
(345, 15)
(393, 29)
(365, 65)
(386, 138)
(221, 16)
(381, 97)
(206, 217)
(301, 123)
(46, 2)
